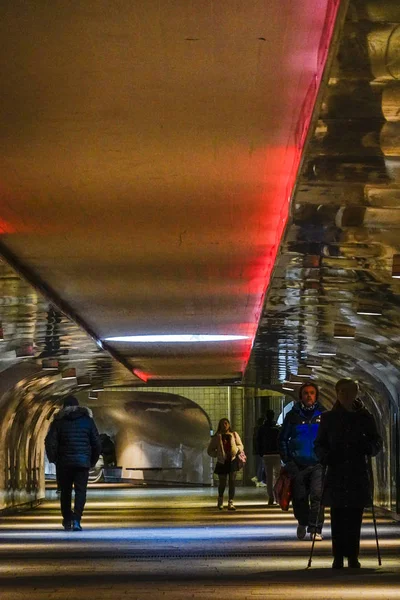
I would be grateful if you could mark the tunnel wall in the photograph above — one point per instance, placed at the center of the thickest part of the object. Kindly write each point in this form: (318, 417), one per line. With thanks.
(23, 425)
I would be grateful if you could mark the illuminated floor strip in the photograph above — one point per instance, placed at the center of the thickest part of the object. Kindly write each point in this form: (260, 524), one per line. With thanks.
(174, 544)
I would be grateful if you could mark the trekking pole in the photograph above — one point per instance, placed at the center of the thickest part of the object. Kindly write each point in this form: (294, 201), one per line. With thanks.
(371, 487)
(320, 508)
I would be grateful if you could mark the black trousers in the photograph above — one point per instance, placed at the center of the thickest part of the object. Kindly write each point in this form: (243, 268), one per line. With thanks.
(346, 529)
(222, 484)
(69, 477)
(306, 499)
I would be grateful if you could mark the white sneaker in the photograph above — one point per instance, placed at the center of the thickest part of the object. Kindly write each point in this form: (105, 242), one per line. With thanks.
(318, 537)
(301, 532)
(254, 480)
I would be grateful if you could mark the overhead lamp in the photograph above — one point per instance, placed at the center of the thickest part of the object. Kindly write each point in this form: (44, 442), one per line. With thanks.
(69, 374)
(177, 338)
(83, 380)
(289, 389)
(25, 350)
(314, 362)
(311, 261)
(294, 380)
(304, 371)
(396, 266)
(326, 348)
(343, 331)
(49, 364)
(366, 307)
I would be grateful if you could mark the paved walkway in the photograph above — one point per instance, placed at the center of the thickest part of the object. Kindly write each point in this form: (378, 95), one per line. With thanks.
(173, 544)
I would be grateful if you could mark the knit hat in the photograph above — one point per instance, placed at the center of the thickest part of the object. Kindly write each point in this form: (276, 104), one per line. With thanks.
(70, 401)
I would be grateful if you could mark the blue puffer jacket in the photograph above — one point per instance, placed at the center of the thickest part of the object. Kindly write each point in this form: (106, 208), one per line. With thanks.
(298, 433)
(73, 439)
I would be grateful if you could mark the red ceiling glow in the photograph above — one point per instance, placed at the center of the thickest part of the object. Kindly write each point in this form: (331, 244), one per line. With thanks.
(284, 166)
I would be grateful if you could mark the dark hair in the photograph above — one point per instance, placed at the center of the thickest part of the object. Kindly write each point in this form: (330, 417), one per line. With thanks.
(308, 384)
(346, 382)
(220, 424)
(269, 415)
(70, 401)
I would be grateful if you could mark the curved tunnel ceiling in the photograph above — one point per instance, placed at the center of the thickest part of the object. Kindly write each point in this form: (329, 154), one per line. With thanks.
(335, 289)
(149, 152)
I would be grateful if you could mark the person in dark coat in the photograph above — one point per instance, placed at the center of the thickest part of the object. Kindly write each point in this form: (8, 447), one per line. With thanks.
(73, 444)
(296, 447)
(347, 437)
(259, 478)
(267, 448)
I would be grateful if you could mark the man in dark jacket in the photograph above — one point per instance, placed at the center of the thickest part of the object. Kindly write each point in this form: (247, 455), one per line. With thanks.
(296, 447)
(346, 439)
(73, 444)
(267, 447)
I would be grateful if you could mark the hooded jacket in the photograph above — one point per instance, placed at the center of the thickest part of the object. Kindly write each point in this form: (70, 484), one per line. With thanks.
(298, 433)
(344, 442)
(73, 439)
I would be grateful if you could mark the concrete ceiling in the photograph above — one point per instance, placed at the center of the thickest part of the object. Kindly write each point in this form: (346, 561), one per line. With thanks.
(149, 152)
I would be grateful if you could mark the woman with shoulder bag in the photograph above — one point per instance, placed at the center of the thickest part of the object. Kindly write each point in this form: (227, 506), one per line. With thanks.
(225, 446)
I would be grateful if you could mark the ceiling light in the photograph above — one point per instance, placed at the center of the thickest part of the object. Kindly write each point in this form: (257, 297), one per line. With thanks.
(83, 380)
(289, 389)
(69, 374)
(25, 350)
(344, 332)
(311, 261)
(366, 307)
(396, 266)
(49, 364)
(314, 362)
(304, 371)
(170, 339)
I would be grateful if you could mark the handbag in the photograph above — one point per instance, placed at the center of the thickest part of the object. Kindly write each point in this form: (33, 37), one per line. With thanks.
(241, 457)
(283, 489)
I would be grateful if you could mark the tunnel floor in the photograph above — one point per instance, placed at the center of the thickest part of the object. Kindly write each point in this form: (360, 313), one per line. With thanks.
(172, 543)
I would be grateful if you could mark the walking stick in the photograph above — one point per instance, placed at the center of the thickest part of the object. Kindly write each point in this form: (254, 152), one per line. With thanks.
(321, 507)
(371, 487)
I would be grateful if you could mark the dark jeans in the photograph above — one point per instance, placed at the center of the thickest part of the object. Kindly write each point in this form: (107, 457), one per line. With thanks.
(346, 529)
(222, 484)
(260, 474)
(306, 500)
(78, 478)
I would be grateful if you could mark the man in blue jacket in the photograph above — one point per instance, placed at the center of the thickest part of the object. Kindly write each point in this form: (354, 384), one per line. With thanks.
(73, 444)
(296, 448)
